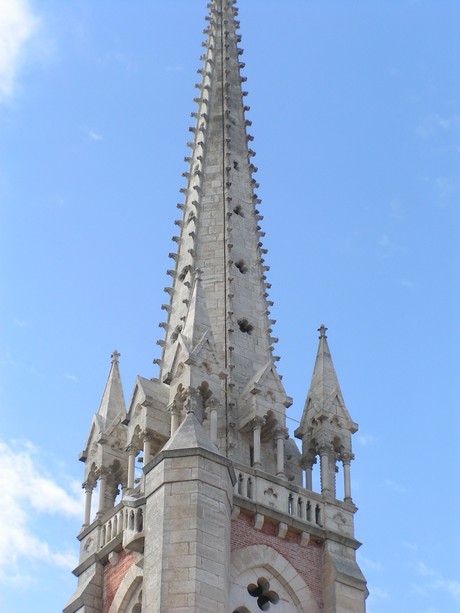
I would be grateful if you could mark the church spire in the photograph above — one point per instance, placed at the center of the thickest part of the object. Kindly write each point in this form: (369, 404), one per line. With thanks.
(219, 288)
(221, 482)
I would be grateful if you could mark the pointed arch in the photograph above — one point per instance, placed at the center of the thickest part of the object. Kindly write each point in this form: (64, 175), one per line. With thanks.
(249, 562)
(127, 588)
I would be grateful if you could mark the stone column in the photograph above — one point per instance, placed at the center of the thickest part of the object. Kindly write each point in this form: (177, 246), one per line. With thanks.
(132, 451)
(175, 413)
(307, 463)
(325, 452)
(103, 474)
(280, 435)
(346, 460)
(88, 498)
(147, 442)
(211, 408)
(257, 424)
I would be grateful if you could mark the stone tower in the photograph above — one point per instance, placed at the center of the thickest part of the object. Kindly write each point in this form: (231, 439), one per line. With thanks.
(223, 517)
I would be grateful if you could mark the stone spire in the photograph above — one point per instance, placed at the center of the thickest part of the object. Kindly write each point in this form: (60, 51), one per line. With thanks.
(218, 329)
(113, 401)
(326, 426)
(104, 453)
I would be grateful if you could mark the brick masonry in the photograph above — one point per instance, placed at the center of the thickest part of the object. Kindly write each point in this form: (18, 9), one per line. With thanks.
(114, 575)
(306, 560)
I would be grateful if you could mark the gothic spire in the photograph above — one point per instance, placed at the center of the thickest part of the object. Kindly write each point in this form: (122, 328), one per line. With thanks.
(326, 426)
(324, 382)
(113, 402)
(220, 236)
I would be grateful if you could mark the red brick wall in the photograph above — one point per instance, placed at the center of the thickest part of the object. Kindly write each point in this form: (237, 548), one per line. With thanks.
(306, 560)
(114, 575)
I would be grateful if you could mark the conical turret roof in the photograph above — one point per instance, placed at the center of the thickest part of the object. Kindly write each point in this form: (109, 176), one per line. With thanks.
(324, 381)
(113, 401)
(324, 399)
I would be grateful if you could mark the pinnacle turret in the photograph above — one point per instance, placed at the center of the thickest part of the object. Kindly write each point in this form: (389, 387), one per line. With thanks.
(113, 401)
(326, 426)
(104, 452)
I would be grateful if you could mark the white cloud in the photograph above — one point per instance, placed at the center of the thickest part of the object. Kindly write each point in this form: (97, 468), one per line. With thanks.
(368, 564)
(396, 487)
(433, 123)
(70, 377)
(20, 323)
(94, 136)
(366, 439)
(396, 210)
(28, 491)
(17, 25)
(407, 283)
(377, 594)
(435, 581)
(386, 246)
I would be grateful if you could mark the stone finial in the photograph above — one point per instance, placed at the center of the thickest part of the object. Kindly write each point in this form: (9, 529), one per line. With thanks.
(322, 331)
(115, 356)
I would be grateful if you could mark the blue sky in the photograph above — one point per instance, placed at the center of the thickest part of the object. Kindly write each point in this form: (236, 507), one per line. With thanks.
(356, 118)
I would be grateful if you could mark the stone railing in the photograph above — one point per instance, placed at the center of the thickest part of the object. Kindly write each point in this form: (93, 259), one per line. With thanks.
(127, 521)
(281, 496)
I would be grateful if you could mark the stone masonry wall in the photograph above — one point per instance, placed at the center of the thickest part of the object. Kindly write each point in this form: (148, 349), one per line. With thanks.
(306, 560)
(114, 575)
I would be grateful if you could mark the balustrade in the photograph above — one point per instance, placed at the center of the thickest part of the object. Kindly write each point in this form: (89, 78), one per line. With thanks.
(127, 521)
(301, 506)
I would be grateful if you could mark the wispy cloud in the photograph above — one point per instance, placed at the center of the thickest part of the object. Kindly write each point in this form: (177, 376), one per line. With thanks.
(376, 595)
(434, 123)
(17, 25)
(437, 582)
(407, 283)
(70, 377)
(446, 189)
(366, 439)
(20, 323)
(38, 494)
(368, 564)
(396, 210)
(94, 136)
(393, 485)
(386, 246)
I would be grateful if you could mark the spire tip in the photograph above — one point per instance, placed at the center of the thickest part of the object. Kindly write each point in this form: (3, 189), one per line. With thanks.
(322, 331)
(115, 357)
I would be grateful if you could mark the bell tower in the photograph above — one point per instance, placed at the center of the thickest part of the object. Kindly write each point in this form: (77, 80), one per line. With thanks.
(223, 517)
